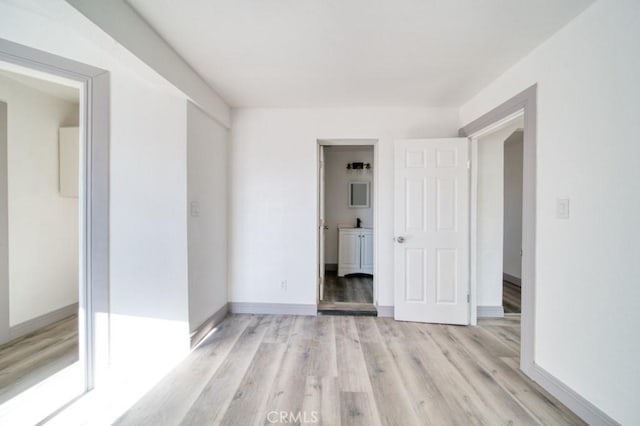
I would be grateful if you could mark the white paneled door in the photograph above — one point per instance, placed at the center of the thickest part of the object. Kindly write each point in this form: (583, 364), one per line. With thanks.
(432, 230)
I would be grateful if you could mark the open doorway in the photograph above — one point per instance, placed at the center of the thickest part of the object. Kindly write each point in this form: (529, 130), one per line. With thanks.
(516, 113)
(54, 174)
(512, 223)
(40, 235)
(498, 188)
(346, 228)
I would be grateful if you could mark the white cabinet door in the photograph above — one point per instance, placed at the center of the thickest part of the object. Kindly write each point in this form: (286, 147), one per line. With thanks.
(348, 252)
(431, 254)
(366, 253)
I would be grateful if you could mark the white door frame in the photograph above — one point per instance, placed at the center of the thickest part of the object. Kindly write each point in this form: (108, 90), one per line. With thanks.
(94, 186)
(524, 102)
(374, 205)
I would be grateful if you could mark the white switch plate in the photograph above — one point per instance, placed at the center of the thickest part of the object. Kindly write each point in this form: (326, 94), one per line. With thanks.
(562, 208)
(195, 209)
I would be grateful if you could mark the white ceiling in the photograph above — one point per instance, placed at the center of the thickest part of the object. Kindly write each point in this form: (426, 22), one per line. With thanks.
(315, 53)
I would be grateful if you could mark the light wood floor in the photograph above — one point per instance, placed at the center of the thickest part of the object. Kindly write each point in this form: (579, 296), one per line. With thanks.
(511, 298)
(356, 288)
(36, 356)
(351, 371)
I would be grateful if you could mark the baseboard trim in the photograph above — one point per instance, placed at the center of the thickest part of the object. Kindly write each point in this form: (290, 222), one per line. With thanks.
(209, 324)
(37, 323)
(273, 308)
(575, 402)
(511, 279)
(385, 311)
(490, 312)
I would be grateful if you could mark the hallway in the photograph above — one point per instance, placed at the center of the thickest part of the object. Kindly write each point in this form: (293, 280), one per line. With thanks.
(511, 298)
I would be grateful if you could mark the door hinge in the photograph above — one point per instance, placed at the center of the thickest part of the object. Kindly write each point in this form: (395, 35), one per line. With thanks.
(468, 165)
(468, 298)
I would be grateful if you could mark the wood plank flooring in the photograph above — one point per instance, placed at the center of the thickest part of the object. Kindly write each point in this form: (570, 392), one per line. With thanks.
(32, 358)
(356, 288)
(342, 370)
(511, 298)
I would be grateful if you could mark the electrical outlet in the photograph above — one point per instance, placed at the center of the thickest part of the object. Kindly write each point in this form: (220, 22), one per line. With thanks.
(562, 208)
(283, 285)
(195, 209)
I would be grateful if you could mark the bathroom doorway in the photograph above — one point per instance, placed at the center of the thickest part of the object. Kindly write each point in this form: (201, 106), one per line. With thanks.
(346, 231)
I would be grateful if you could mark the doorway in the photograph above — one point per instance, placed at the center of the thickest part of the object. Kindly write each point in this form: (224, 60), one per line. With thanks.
(512, 223)
(54, 224)
(40, 232)
(522, 106)
(346, 224)
(498, 211)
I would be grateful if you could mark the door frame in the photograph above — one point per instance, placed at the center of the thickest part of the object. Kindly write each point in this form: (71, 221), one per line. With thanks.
(349, 142)
(93, 301)
(524, 102)
(474, 140)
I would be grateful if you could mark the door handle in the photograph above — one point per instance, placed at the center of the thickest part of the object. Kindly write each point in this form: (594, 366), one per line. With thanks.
(400, 239)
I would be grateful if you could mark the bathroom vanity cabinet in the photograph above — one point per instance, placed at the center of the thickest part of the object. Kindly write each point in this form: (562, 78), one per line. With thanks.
(355, 251)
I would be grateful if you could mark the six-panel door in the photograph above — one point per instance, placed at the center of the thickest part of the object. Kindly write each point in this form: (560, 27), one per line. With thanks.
(431, 226)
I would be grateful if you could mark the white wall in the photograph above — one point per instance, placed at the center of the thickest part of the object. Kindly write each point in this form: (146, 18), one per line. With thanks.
(512, 229)
(274, 193)
(207, 188)
(337, 178)
(43, 225)
(149, 316)
(587, 292)
(490, 215)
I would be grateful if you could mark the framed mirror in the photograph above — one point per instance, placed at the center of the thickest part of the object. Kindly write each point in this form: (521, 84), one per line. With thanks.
(359, 194)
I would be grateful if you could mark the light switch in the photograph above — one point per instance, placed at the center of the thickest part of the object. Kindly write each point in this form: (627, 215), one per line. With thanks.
(195, 209)
(562, 208)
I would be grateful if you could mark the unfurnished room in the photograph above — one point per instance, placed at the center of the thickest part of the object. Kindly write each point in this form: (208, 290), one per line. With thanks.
(355, 212)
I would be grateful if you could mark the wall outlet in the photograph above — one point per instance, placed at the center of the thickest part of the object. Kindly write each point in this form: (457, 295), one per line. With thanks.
(283, 285)
(562, 208)
(195, 209)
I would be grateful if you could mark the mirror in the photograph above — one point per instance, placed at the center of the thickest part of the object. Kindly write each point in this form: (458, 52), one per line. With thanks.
(358, 194)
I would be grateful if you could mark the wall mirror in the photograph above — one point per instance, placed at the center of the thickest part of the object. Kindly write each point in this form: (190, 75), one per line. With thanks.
(358, 194)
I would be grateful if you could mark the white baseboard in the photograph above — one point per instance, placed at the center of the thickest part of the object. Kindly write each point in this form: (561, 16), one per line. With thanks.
(490, 312)
(385, 311)
(511, 279)
(209, 324)
(588, 412)
(37, 323)
(273, 308)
